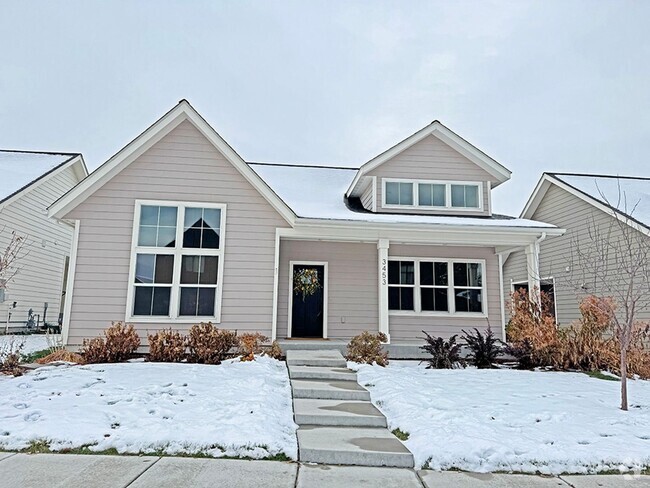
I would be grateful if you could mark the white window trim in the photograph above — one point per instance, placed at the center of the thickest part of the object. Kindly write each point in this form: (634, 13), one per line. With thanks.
(416, 197)
(325, 296)
(178, 251)
(515, 283)
(451, 305)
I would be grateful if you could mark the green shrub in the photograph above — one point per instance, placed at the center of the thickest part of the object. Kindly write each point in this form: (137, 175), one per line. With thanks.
(483, 349)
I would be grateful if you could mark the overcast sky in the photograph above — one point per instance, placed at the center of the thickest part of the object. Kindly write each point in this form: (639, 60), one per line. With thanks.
(539, 86)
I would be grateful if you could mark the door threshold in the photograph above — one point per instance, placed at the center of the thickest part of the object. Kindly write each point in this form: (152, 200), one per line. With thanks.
(306, 339)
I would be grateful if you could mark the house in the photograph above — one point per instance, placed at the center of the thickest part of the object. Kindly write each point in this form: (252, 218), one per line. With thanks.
(29, 183)
(177, 228)
(585, 205)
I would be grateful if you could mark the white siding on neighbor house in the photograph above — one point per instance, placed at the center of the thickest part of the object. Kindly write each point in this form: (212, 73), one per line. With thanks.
(561, 208)
(183, 166)
(408, 328)
(352, 284)
(432, 159)
(47, 242)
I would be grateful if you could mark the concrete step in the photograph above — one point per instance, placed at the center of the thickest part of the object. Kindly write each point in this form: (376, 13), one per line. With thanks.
(338, 413)
(329, 390)
(352, 446)
(321, 373)
(324, 357)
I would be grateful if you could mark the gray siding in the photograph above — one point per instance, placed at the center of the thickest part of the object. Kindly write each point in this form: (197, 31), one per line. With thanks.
(366, 197)
(432, 159)
(47, 243)
(353, 289)
(567, 211)
(410, 327)
(183, 166)
(352, 284)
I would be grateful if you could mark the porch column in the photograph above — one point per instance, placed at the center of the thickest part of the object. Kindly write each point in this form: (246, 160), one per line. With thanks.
(532, 264)
(382, 252)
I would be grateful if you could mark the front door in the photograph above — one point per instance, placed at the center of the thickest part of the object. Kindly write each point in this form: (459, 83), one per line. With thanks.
(308, 304)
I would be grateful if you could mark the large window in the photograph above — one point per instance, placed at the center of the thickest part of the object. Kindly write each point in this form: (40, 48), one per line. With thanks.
(435, 286)
(428, 195)
(177, 261)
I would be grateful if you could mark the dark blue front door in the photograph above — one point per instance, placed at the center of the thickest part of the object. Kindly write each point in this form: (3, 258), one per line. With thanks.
(307, 311)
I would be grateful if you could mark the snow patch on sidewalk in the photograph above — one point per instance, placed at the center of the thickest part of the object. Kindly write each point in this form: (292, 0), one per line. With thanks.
(239, 409)
(505, 420)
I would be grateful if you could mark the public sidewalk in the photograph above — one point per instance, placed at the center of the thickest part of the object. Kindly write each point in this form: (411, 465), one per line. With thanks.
(71, 470)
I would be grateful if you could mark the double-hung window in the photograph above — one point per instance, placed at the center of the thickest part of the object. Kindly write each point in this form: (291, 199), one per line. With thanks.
(177, 261)
(435, 286)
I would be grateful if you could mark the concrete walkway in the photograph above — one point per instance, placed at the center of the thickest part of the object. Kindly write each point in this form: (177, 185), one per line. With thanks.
(71, 470)
(338, 424)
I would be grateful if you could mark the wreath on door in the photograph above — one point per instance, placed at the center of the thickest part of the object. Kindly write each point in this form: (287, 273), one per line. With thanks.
(306, 282)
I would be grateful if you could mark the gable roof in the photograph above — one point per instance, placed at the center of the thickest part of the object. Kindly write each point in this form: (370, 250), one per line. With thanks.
(24, 170)
(625, 197)
(317, 192)
(446, 135)
(183, 111)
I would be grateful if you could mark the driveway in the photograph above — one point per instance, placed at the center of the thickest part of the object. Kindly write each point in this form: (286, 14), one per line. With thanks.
(70, 470)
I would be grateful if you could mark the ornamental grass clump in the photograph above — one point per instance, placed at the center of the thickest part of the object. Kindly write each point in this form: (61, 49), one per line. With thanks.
(119, 343)
(167, 346)
(366, 348)
(484, 349)
(445, 354)
(210, 345)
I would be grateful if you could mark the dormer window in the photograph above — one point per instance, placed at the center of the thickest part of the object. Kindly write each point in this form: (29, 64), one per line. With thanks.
(431, 195)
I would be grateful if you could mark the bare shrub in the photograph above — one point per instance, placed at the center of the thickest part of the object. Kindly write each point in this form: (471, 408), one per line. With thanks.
(532, 333)
(119, 343)
(366, 348)
(167, 346)
(10, 353)
(250, 344)
(445, 354)
(210, 345)
(275, 351)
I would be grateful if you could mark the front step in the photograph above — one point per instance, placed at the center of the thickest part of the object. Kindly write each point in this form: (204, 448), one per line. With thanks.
(337, 413)
(329, 390)
(352, 446)
(321, 373)
(326, 357)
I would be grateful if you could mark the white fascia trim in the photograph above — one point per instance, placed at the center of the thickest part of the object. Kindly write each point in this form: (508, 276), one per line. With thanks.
(500, 172)
(69, 292)
(75, 162)
(181, 112)
(547, 180)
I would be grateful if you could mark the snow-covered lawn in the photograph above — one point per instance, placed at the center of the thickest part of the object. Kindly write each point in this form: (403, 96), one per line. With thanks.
(494, 420)
(234, 409)
(31, 342)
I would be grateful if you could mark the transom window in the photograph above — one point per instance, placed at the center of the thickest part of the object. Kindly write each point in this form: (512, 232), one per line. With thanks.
(435, 286)
(433, 194)
(177, 269)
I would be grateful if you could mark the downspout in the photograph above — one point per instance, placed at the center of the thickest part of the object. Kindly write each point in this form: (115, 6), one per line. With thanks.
(534, 276)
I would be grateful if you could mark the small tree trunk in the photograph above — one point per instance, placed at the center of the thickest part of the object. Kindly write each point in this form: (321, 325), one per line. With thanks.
(624, 378)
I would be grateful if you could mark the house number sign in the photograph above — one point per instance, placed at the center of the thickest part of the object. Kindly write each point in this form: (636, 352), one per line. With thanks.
(384, 272)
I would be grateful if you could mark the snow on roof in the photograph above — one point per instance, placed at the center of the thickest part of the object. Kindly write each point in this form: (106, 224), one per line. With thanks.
(630, 195)
(318, 192)
(19, 169)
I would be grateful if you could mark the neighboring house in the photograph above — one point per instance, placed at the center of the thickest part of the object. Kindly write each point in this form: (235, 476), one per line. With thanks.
(584, 205)
(177, 228)
(29, 183)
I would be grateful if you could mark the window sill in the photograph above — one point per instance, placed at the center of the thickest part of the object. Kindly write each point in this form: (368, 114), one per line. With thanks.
(406, 313)
(178, 320)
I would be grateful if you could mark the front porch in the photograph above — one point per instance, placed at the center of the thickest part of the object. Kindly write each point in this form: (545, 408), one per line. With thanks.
(396, 350)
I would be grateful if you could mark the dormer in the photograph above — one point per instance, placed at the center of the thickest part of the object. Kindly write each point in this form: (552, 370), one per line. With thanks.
(433, 172)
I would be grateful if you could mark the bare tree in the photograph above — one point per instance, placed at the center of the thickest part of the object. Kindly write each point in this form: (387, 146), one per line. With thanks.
(611, 261)
(9, 258)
